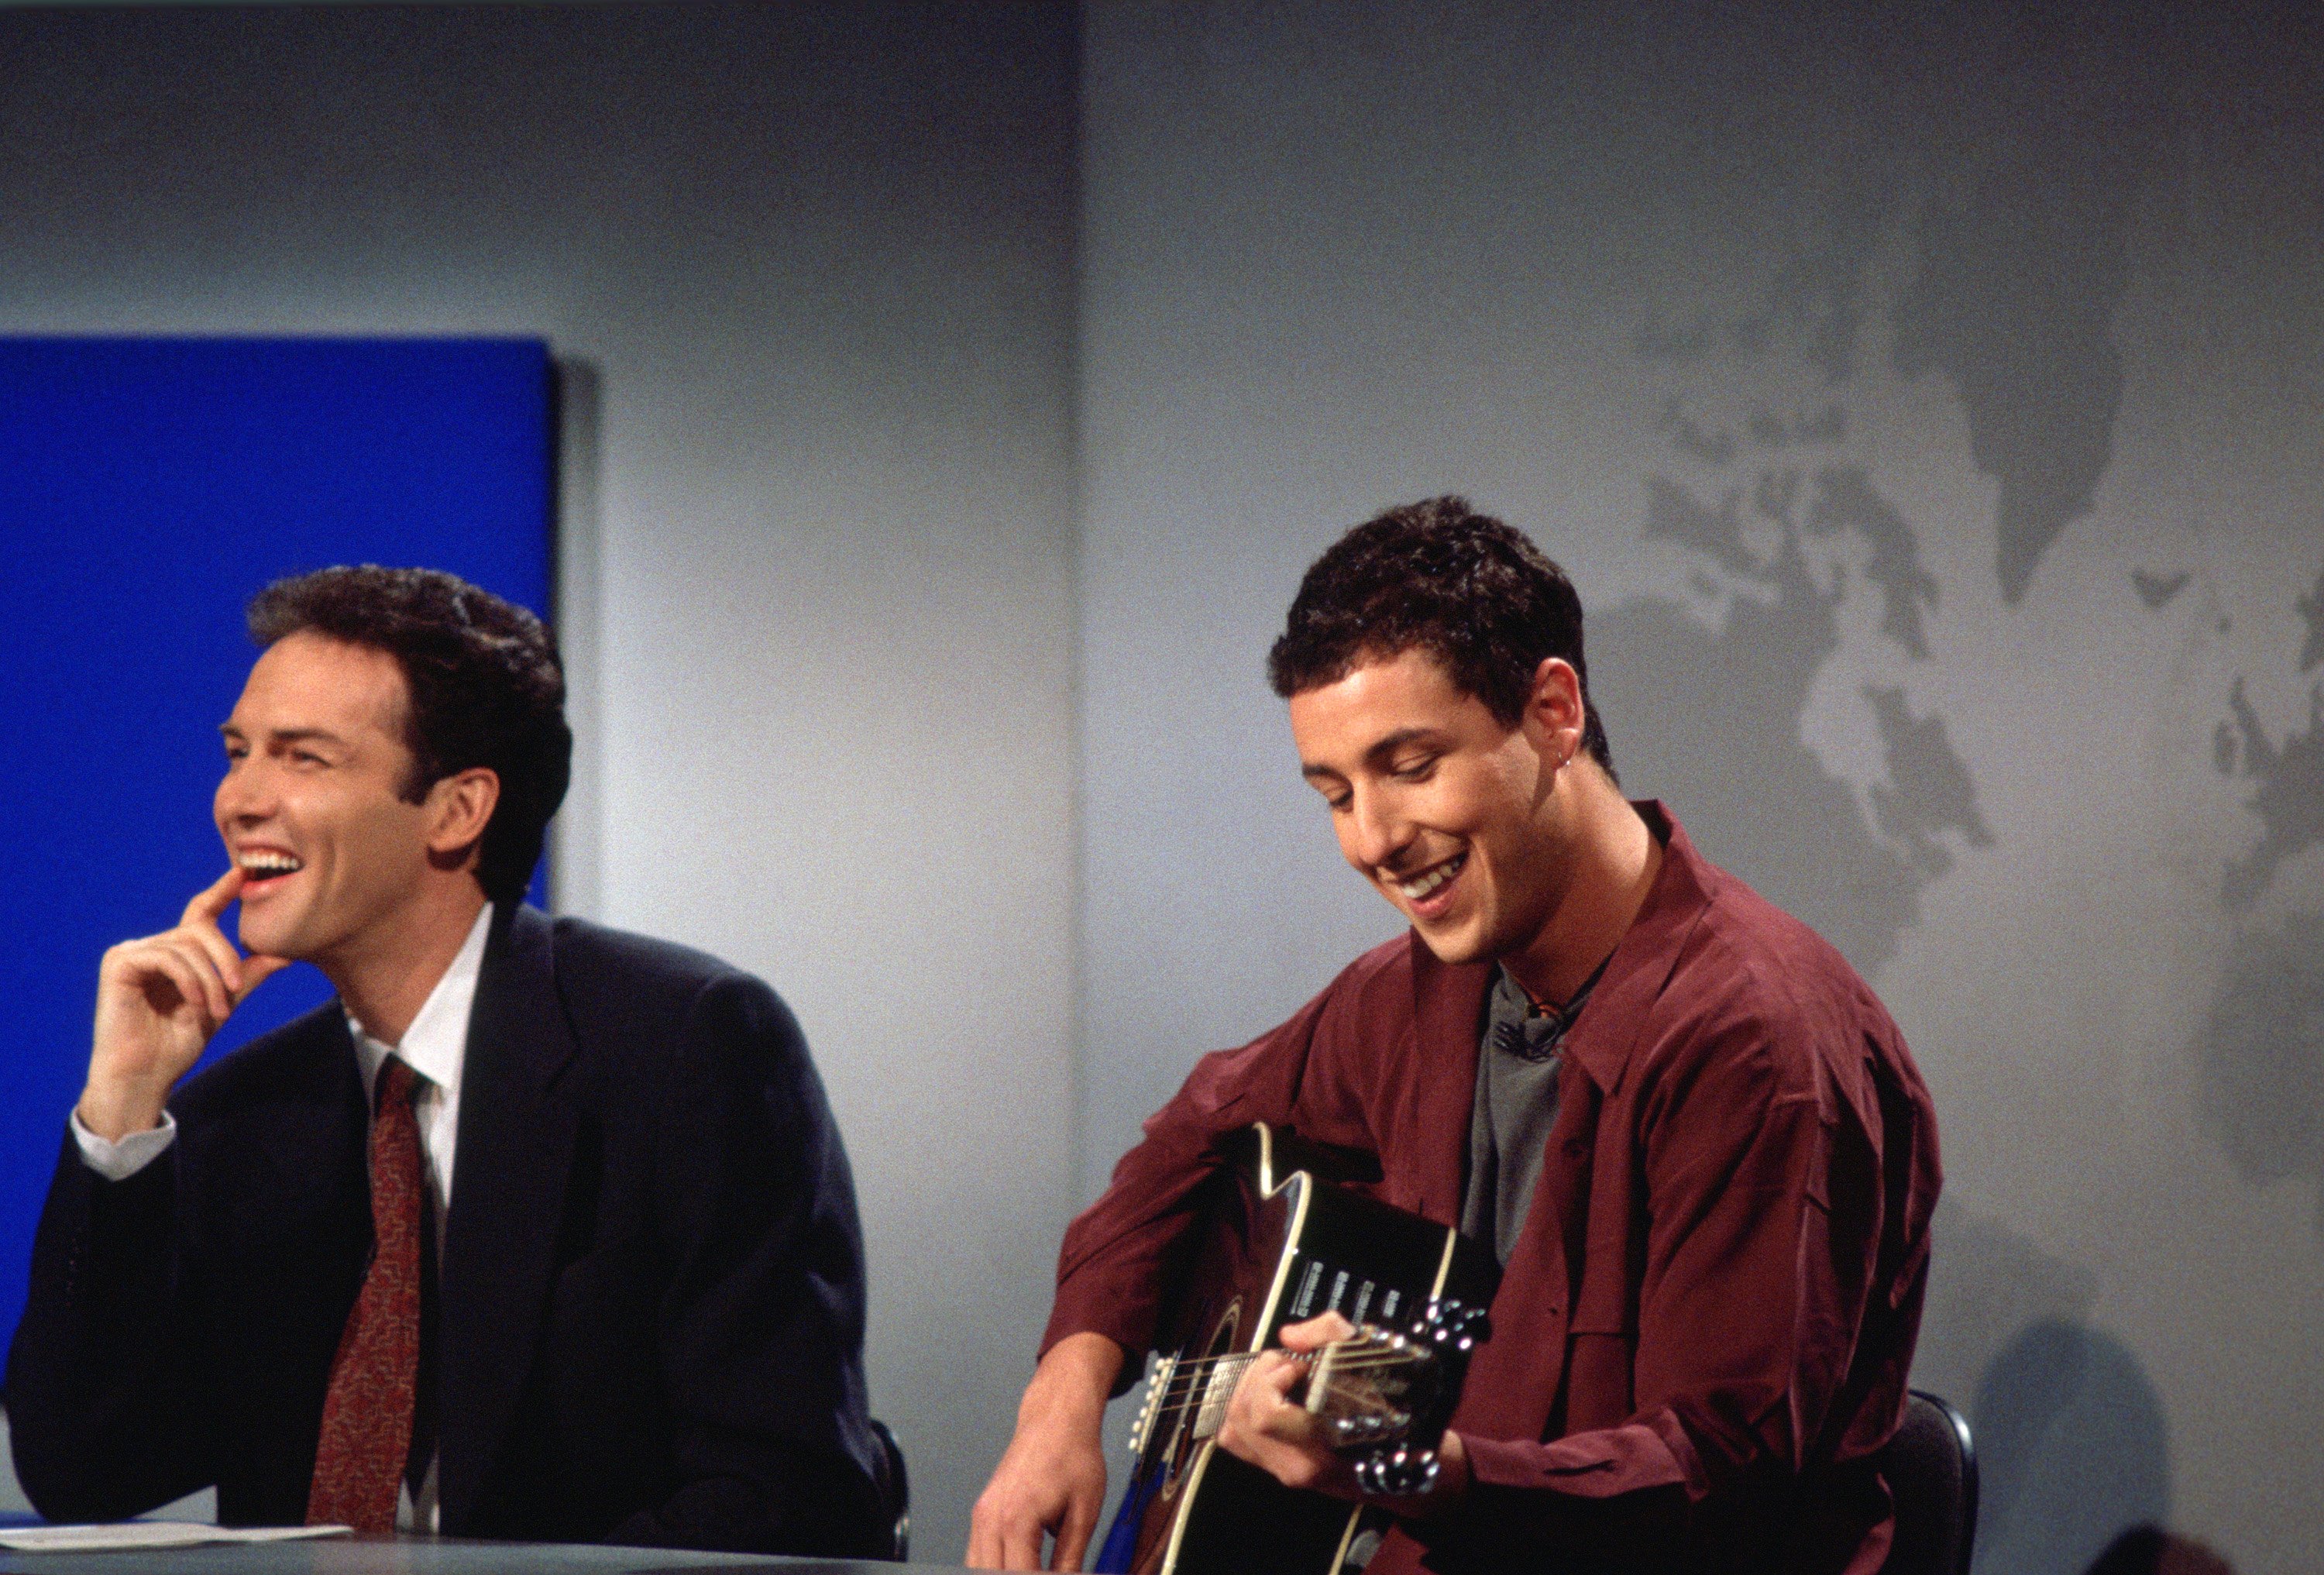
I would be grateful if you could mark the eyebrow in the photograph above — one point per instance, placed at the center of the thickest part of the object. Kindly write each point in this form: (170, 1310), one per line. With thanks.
(1377, 755)
(287, 735)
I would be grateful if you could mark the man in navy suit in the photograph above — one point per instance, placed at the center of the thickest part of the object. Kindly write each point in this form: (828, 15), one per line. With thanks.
(538, 1230)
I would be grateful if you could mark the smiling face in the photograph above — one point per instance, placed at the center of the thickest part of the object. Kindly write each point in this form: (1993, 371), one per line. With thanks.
(311, 805)
(1456, 818)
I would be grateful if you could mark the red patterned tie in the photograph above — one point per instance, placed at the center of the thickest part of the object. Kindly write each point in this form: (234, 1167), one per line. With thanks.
(366, 1439)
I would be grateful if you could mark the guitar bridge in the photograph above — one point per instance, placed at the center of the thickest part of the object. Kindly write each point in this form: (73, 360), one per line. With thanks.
(1157, 1387)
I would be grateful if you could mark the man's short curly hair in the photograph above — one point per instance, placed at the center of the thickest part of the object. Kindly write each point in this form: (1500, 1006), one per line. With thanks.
(487, 688)
(1438, 576)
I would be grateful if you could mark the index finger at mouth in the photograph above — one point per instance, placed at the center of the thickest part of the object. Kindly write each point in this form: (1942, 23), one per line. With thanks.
(216, 897)
(221, 953)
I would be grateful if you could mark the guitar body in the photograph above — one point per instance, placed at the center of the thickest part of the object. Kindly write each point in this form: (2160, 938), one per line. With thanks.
(1281, 1245)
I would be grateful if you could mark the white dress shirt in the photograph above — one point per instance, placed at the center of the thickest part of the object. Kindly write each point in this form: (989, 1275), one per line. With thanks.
(435, 1047)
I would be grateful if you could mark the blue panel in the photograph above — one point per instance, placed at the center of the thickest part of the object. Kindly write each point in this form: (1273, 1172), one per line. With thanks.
(147, 489)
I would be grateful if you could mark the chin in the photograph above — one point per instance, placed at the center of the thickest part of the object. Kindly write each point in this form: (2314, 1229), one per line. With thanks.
(269, 940)
(1456, 947)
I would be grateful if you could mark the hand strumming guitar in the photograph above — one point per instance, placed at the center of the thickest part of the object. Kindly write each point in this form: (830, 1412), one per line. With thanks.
(1052, 1478)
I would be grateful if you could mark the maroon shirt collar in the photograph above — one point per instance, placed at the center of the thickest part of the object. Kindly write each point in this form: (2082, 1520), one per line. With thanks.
(1601, 1041)
(1449, 998)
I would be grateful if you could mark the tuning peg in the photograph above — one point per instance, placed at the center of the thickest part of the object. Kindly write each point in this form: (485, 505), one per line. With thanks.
(1352, 1431)
(1402, 1472)
(1452, 1325)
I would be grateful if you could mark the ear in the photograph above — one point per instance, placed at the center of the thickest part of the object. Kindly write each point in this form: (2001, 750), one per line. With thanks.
(460, 807)
(1554, 712)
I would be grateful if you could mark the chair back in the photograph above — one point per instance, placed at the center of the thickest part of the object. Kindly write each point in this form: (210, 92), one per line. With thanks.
(895, 1490)
(1931, 1467)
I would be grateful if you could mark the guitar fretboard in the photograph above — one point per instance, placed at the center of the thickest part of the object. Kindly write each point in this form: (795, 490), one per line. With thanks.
(1198, 1391)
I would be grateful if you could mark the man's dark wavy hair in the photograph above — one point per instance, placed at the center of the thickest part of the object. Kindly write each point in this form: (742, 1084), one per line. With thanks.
(1438, 576)
(486, 686)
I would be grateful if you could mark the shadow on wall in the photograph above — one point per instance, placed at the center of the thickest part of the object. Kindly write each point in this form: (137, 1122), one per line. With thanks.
(2071, 1441)
(2071, 1449)
(1988, 1286)
(2148, 1550)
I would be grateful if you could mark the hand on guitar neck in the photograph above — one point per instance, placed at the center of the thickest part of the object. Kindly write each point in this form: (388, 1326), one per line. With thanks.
(1268, 1425)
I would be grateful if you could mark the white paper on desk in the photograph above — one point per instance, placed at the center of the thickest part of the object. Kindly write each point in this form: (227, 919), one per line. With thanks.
(150, 1533)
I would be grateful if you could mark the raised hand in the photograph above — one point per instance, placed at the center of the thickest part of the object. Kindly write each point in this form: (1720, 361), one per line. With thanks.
(159, 1001)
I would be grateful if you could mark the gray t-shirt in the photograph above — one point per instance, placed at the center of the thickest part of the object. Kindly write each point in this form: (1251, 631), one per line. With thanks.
(1519, 1050)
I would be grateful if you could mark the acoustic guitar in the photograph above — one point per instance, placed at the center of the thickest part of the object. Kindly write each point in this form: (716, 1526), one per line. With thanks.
(1282, 1244)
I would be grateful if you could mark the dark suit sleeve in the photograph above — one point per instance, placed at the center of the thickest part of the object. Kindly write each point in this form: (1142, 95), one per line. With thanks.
(759, 1331)
(104, 1401)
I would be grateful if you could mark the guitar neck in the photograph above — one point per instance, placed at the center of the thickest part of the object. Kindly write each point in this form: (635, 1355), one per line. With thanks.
(1358, 1384)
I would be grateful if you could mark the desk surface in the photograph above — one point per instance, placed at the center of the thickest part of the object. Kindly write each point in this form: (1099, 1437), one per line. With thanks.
(428, 1556)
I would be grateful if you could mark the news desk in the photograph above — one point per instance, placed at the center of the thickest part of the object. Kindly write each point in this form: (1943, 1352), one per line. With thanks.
(386, 1555)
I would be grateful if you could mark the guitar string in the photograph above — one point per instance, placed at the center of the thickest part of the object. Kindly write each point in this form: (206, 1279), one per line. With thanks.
(1176, 1391)
(1175, 1400)
(1367, 1350)
(1177, 1405)
(1200, 1371)
(1173, 1412)
(1186, 1376)
(1189, 1375)
(1193, 1372)
(1177, 1395)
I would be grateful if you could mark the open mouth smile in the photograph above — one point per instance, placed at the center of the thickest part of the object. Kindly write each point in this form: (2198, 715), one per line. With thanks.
(1419, 888)
(262, 869)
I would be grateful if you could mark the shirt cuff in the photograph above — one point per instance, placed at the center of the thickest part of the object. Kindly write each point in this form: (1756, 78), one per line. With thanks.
(119, 1159)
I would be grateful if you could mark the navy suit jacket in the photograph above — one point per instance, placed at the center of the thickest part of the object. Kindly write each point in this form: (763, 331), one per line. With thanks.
(652, 1319)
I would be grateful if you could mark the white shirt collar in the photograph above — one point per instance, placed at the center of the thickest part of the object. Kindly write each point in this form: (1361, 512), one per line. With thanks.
(438, 1040)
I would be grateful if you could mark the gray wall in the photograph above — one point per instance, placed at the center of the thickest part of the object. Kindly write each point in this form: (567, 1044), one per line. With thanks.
(1927, 399)
(1929, 404)
(818, 261)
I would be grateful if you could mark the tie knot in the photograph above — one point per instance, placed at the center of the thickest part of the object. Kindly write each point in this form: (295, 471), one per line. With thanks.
(396, 1084)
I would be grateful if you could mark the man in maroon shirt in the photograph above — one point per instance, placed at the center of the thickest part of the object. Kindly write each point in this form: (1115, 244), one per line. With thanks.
(1688, 1129)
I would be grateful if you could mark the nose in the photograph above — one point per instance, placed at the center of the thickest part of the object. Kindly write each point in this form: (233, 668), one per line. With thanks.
(1375, 831)
(245, 795)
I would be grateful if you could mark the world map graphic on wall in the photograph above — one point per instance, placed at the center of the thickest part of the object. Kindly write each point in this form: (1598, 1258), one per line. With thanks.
(1798, 567)
(2020, 258)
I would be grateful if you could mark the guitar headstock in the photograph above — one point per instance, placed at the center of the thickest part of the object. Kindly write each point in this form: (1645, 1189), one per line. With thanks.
(1388, 1393)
